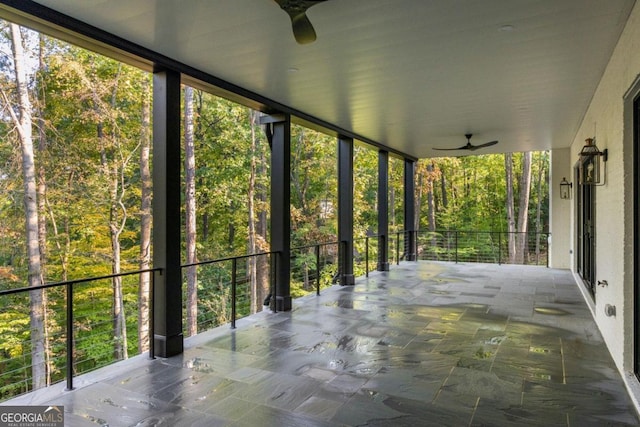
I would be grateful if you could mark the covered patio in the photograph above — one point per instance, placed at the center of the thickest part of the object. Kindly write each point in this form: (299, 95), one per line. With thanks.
(427, 343)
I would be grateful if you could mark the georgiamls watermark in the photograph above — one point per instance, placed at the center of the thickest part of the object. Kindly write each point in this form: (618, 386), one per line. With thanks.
(31, 416)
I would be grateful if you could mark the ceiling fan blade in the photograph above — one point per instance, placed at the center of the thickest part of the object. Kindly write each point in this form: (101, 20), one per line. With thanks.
(468, 146)
(464, 147)
(487, 144)
(303, 31)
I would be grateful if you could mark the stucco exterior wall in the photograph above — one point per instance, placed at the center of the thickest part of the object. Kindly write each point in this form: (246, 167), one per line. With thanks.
(605, 120)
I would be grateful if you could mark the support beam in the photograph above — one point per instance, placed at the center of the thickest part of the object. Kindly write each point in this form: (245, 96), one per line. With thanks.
(383, 210)
(345, 209)
(168, 339)
(279, 134)
(409, 210)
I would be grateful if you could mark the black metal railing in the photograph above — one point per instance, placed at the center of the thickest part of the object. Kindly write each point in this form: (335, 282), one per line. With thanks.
(314, 267)
(365, 252)
(499, 247)
(75, 329)
(230, 288)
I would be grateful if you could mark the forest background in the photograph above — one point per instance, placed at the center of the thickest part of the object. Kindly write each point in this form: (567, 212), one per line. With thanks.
(75, 162)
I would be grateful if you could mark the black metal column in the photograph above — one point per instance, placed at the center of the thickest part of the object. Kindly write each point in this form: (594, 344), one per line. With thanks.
(280, 139)
(383, 210)
(168, 339)
(345, 209)
(409, 210)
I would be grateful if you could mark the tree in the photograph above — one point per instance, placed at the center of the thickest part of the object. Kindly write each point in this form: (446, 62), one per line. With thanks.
(261, 207)
(117, 221)
(251, 201)
(511, 220)
(23, 123)
(432, 173)
(103, 98)
(542, 161)
(113, 162)
(365, 191)
(146, 186)
(523, 208)
(190, 212)
(313, 196)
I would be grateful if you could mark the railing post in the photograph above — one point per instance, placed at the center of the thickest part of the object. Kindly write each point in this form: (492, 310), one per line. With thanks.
(397, 248)
(366, 256)
(317, 269)
(234, 264)
(383, 253)
(547, 251)
(274, 266)
(152, 327)
(456, 244)
(70, 336)
(499, 247)
(342, 251)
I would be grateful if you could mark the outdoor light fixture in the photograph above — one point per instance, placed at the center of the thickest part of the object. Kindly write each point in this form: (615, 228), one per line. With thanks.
(592, 172)
(565, 189)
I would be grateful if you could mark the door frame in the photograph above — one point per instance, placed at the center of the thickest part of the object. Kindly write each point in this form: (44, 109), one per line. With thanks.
(635, 149)
(586, 238)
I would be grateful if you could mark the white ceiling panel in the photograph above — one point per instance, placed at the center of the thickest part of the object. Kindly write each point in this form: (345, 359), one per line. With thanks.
(410, 74)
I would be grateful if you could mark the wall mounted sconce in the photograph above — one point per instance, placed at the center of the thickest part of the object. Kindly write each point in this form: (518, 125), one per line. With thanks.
(565, 189)
(593, 164)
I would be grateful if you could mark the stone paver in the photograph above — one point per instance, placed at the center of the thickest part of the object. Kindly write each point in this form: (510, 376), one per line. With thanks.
(426, 344)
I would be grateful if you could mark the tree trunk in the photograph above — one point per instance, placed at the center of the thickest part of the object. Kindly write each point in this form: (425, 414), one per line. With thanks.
(198, 132)
(392, 208)
(511, 221)
(431, 209)
(190, 208)
(23, 123)
(443, 186)
(262, 272)
(42, 147)
(112, 169)
(419, 186)
(119, 323)
(523, 208)
(539, 205)
(42, 193)
(120, 350)
(145, 220)
(253, 261)
(300, 172)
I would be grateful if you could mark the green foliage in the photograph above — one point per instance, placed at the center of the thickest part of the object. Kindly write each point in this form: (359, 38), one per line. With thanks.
(474, 188)
(314, 192)
(365, 191)
(14, 327)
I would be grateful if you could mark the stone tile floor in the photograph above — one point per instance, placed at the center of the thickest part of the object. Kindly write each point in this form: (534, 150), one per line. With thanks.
(426, 344)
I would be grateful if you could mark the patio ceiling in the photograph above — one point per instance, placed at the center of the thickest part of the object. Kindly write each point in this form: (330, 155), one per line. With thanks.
(409, 74)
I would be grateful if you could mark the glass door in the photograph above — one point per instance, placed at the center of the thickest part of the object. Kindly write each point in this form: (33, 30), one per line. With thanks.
(586, 229)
